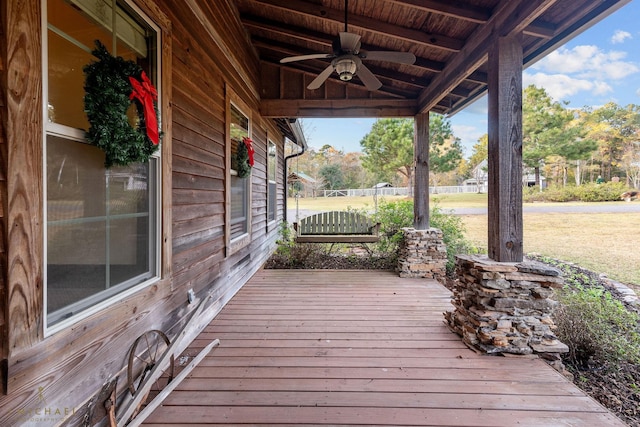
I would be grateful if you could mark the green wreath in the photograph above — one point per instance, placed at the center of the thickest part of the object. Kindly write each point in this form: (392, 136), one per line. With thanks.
(109, 93)
(243, 167)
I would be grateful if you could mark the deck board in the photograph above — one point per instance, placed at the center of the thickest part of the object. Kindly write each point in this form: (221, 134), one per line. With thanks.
(317, 348)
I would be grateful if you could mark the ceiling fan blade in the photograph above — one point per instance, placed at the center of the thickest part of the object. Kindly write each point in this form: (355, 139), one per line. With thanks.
(318, 81)
(349, 42)
(366, 76)
(389, 56)
(304, 57)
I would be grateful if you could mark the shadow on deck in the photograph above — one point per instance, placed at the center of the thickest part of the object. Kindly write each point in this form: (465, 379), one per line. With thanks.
(330, 347)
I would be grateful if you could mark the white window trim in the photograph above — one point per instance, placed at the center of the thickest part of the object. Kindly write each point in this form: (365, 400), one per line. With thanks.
(239, 242)
(79, 135)
(270, 223)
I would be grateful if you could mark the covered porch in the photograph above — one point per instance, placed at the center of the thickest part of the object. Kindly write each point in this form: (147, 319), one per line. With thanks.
(332, 347)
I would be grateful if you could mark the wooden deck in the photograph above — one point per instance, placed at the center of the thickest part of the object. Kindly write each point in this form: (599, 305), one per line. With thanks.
(302, 347)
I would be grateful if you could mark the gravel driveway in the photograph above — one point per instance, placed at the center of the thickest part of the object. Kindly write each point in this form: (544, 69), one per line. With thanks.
(545, 208)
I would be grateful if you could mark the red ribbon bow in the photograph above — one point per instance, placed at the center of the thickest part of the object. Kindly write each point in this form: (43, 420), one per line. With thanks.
(146, 94)
(249, 143)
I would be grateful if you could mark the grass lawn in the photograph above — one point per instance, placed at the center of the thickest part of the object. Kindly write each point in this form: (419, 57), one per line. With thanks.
(601, 242)
(339, 203)
(467, 200)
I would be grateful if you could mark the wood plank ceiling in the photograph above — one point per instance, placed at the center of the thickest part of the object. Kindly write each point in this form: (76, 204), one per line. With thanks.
(450, 40)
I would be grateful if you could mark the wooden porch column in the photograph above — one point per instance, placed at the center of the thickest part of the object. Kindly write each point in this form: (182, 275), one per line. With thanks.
(421, 186)
(505, 150)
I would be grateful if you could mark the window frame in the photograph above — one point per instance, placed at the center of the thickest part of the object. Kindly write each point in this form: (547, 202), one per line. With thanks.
(78, 135)
(233, 245)
(272, 210)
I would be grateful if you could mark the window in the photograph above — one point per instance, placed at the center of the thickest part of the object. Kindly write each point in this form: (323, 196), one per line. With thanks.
(272, 173)
(102, 224)
(240, 188)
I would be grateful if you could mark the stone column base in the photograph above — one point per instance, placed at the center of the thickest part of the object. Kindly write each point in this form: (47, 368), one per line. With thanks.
(505, 307)
(422, 254)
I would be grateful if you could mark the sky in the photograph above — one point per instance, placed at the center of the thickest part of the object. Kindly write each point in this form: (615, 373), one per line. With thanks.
(598, 66)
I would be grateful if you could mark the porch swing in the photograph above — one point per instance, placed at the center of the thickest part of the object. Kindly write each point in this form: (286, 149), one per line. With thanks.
(335, 226)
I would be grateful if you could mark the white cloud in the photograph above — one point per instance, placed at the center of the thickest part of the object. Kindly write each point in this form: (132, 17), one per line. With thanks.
(478, 107)
(588, 62)
(601, 88)
(469, 127)
(562, 86)
(566, 72)
(620, 36)
(467, 133)
(564, 60)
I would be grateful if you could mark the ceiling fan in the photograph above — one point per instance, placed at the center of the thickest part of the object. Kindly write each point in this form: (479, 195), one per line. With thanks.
(347, 57)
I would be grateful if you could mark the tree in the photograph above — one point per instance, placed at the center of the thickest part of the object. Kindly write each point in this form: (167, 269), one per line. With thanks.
(468, 167)
(332, 176)
(330, 154)
(388, 147)
(631, 164)
(549, 129)
(478, 159)
(445, 151)
(480, 151)
(574, 149)
(616, 129)
(354, 174)
(545, 128)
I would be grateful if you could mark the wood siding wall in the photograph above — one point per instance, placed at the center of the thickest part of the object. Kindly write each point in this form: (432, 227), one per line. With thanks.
(3, 197)
(24, 177)
(205, 50)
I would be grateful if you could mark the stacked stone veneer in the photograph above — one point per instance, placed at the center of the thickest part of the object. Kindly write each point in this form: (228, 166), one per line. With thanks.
(505, 307)
(422, 253)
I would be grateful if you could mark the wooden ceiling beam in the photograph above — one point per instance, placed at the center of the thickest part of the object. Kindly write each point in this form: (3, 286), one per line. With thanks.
(436, 41)
(478, 77)
(289, 31)
(538, 29)
(303, 34)
(338, 108)
(510, 17)
(476, 14)
(541, 29)
(469, 99)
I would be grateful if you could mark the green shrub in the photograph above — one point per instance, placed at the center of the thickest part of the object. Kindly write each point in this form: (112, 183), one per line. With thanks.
(594, 325)
(605, 192)
(453, 230)
(555, 194)
(285, 231)
(291, 254)
(393, 216)
(608, 191)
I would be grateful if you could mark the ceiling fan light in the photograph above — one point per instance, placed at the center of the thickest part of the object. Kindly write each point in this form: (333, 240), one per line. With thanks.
(346, 68)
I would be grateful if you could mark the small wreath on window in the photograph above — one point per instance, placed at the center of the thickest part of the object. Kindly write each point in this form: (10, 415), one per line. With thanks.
(244, 158)
(112, 84)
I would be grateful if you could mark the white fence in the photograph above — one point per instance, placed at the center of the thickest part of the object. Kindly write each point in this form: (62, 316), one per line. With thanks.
(401, 191)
